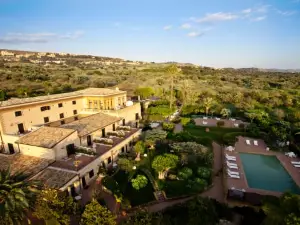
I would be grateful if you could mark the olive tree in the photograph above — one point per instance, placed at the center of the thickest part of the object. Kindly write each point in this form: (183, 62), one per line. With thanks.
(162, 163)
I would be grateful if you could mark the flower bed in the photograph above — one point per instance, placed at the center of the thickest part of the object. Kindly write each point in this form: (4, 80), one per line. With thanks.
(106, 141)
(118, 133)
(125, 128)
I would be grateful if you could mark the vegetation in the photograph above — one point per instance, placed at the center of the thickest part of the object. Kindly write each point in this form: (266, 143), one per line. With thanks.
(54, 207)
(17, 196)
(139, 182)
(94, 213)
(163, 163)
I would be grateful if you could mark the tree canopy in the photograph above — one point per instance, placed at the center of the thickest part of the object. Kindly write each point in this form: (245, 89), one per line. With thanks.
(94, 213)
(139, 182)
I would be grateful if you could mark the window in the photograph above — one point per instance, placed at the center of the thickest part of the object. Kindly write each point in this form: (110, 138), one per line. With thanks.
(60, 105)
(91, 173)
(75, 112)
(62, 122)
(74, 102)
(136, 116)
(103, 132)
(75, 118)
(18, 113)
(46, 119)
(44, 108)
(114, 127)
(109, 160)
(61, 115)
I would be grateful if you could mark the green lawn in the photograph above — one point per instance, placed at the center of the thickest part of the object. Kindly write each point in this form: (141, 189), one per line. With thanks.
(214, 134)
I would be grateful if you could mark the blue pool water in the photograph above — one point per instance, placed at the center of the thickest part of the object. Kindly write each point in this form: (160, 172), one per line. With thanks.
(266, 172)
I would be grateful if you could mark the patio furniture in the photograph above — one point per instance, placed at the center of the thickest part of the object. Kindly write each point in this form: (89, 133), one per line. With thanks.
(232, 172)
(255, 142)
(217, 118)
(205, 118)
(291, 154)
(234, 167)
(230, 148)
(231, 159)
(230, 156)
(78, 197)
(295, 162)
(236, 125)
(233, 176)
(248, 142)
(204, 122)
(296, 165)
(267, 149)
(231, 164)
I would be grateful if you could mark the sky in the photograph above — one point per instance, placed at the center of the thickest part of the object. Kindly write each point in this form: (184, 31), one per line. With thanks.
(218, 33)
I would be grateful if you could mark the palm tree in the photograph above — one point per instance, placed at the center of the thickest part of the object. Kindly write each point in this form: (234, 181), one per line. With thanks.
(226, 112)
(208, 103)
(173, 70)
(17, 195)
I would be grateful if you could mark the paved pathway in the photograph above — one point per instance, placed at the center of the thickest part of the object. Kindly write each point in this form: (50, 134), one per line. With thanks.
(178, 128)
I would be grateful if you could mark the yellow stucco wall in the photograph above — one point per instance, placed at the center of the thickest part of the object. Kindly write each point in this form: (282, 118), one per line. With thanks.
(32, 114)
(40, 152)
(60, 148)
(104, 102)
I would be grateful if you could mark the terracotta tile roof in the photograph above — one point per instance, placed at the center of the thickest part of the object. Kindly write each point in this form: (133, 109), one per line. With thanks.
(46, 137)
(54, 178)
(89, 124)
(69, 164)
(23, 163)
(85, 92)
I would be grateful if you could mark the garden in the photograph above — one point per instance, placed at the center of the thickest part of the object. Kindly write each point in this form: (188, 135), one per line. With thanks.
(160, 168)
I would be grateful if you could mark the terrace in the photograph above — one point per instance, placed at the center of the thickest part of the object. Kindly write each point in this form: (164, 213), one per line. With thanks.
(212, 122)
(241, 183)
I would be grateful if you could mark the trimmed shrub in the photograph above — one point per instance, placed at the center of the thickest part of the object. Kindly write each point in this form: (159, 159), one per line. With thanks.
(184, 121)
(109, 183)
(168, 126)
(204, 172)
(241, 125)
(185, 173)
(220, 123)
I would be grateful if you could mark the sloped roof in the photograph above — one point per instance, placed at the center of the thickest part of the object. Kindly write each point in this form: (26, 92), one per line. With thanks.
(92, 123)
(46, 137)
(54, 178)
(85, 92)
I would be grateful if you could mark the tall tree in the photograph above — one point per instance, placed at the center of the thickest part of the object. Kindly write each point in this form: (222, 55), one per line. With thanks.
(94, 213)
(54, 207)
(163, 163)
(17, 196)
(208, 103)
(226, 112)
(172, 70)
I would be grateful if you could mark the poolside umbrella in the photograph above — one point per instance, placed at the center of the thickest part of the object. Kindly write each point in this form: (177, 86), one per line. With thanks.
(230, 148)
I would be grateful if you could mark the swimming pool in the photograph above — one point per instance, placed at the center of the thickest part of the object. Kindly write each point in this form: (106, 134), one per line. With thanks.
(266, 172)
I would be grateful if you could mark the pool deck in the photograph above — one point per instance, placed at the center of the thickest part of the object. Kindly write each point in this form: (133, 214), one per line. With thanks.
(241, 183)
(212, 122)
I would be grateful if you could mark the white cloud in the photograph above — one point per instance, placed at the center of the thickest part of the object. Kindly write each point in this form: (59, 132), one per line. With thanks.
(262, 8)
(260, 18)
(168, 27)
(247, 11)
(186, 26)
(286, 13)
(45, 37)
(195, 34)
(216, 17)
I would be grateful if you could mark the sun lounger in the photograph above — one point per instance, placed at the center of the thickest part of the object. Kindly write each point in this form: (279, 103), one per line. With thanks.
(204, 122)
(231, 159)
(255, 143)
(217, 118)
(248, 142)
(230, 156)
(296, 165)
(231, 164)
(233, 172)
(205, 118)
(232, 167)
(294, 162)
(233, 176)
(236, 125)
